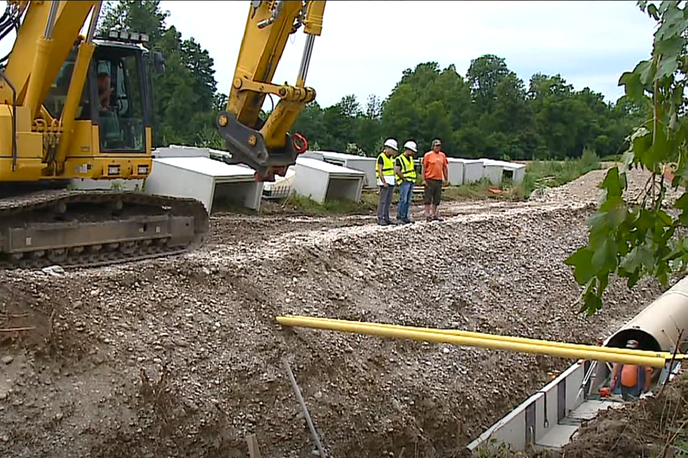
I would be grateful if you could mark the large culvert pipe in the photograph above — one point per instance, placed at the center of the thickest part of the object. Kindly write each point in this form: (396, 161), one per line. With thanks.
(657, 327)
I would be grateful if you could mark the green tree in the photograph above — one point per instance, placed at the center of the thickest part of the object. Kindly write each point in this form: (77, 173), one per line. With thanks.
(484, 75)
(427, 103)
(637, 237)
(311, 125)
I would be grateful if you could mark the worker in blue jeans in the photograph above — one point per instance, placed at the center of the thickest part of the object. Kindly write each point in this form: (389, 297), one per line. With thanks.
(405, 169)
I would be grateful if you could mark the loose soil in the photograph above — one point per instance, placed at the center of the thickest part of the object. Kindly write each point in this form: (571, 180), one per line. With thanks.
(183, 356)
(647, 428)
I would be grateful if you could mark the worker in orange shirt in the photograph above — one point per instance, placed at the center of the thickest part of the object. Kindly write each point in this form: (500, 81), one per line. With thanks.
(435, 174)
(632, 380)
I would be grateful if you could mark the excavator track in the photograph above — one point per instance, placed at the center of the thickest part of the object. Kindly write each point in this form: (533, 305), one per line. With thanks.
(96, 228)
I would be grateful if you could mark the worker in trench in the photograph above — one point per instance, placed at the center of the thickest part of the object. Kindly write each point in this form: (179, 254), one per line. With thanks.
(406, 177)
(631, 380)
(384, 172)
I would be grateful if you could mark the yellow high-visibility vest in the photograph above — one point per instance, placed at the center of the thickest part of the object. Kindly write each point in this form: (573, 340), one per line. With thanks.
(387, 168)
(408, 168)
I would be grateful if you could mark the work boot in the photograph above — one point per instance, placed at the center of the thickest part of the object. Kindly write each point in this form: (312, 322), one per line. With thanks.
(382, 223)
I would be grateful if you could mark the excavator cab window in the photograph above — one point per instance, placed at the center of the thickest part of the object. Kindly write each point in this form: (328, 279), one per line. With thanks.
(117, 80)
(113, 97)
(57, 96)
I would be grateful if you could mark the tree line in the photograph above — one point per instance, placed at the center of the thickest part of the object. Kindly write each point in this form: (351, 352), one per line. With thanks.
(488, 113)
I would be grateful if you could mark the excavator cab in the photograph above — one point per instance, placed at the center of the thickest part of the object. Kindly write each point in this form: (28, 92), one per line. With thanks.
(116, 96)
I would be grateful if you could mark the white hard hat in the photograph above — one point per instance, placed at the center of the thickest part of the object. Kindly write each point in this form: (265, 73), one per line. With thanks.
(632, 344)
(411, 145)
(391, 143)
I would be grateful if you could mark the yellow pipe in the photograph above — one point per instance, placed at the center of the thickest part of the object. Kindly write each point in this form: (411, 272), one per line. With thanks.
(343, 326)
(76, 87)
(456, 332)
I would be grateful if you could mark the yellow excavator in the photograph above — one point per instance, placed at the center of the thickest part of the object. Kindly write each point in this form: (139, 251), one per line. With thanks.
(80, 107)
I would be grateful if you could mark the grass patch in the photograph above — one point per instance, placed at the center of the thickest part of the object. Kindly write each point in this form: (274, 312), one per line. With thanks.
(547, 174)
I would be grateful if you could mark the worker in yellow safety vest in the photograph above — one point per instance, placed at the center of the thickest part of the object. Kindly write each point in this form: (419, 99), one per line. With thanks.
(406, 178)
(384, 172)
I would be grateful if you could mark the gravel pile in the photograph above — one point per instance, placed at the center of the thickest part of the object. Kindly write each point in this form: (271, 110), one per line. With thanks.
(182, 357)
(585, 189)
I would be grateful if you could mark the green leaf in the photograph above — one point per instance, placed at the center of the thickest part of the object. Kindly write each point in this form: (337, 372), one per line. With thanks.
(599, 231)
(633, 279)
(616, 214)
(682, 202)
(581, 261)
(626, 161)
(639, 257)
(652, 11)
(665, 5)
(612, 183)
(634, 89)
(667, 67)
(671, 47)
(645, 71)
(604, 257)
(673, 23)
(591, 304)
(641, 141)
(663, 219)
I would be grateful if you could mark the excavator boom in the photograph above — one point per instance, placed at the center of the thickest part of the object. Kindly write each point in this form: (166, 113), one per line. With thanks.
(266, 145)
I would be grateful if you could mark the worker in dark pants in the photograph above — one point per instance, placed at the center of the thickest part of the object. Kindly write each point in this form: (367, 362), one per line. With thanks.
(384, 172)
(435, 175)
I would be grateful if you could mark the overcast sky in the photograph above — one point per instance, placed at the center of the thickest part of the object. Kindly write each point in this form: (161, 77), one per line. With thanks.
(366, 45)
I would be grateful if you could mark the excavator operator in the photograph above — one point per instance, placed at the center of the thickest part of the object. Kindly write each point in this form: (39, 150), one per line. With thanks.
(104, 91)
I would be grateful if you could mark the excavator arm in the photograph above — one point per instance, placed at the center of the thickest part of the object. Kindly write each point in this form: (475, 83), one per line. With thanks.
(266, 145)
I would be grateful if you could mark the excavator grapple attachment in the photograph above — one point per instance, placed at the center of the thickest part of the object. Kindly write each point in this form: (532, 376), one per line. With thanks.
(247, 146)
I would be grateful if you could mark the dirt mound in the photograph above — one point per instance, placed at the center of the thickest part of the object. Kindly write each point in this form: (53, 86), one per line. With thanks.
(182, 357)
(650, 427)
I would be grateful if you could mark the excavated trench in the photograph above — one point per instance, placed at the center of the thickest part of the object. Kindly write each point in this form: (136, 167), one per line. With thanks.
(182, 357)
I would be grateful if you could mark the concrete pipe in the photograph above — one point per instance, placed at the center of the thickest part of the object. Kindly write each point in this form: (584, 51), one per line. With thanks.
(657, 327)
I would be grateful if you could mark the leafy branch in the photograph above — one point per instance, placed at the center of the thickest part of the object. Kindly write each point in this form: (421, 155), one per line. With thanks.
(643, 235)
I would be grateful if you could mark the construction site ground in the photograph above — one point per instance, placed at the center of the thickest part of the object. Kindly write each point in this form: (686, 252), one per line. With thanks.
(182, 357)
